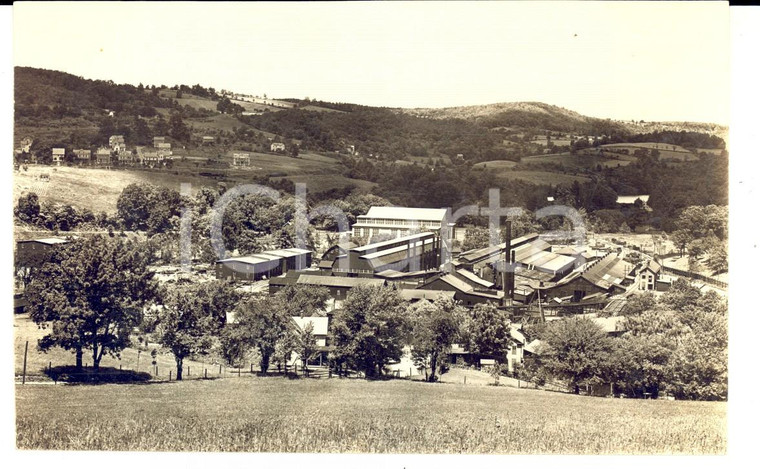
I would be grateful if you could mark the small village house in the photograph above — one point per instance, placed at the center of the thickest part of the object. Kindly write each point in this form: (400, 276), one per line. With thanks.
(58, 155)
(240, 159)
(649, 275)
(277, 146)
(103, 157)
(157, 140)
(116, 142)
(127, 158)
(207, 140)
(83, 155)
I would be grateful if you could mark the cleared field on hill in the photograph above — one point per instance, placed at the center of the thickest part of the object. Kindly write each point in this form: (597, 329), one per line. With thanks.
(541, 177)
(96, 189)
(99, 189)
(324, 182)
(495, 165)
(189, 99)
(579, 160)
(273, 414)
(666, 151)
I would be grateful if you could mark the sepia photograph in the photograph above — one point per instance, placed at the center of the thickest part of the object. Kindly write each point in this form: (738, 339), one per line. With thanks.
(371, 228)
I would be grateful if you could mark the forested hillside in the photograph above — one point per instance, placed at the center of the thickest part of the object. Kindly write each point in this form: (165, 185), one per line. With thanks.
(446, 157)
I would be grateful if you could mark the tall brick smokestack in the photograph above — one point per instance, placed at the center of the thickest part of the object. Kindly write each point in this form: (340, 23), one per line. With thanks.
(508, 275)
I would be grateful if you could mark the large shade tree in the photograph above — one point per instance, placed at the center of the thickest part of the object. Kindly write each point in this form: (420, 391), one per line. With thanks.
(370, 330)
(435, 327)
(190, 315)
(90, 296)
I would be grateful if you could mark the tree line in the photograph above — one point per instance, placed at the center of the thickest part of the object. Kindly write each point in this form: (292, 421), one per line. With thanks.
(676, 344)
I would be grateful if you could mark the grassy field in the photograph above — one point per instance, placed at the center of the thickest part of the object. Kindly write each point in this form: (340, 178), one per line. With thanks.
(99, 189)
(667, 152)
(273, 414)
(96, 189)
(324, 182)
(495, 165)
(541, 177)
(578, 161)
(37, 362)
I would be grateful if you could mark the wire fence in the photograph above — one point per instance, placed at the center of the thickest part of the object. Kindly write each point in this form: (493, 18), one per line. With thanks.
(696, 276)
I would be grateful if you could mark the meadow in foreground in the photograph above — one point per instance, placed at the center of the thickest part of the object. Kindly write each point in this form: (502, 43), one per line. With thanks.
(341, 415)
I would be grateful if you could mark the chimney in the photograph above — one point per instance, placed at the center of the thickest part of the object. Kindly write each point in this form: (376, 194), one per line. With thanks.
(508, 275)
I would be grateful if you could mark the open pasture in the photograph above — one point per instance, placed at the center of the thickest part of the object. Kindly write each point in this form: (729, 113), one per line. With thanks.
(579, 161)
(495, 165)
(541, 177)
(667, 152)
(275, 414)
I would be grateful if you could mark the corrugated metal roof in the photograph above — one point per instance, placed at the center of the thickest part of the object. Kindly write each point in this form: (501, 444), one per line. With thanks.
(405, 213)
(471, 277)
(49, 241)
(345, 282)
(377, 246)
(422, 294)
(630, 199)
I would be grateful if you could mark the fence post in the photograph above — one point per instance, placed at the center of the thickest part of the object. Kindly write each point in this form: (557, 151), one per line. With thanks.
(238, 372)
(23, 374)
(170, 375)
(465, 379)
(188, 371)
(220, 368)
(251, 368)
(205, 372)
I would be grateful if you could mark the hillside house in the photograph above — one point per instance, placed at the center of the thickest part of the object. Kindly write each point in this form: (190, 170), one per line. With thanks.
(207, 140)
(149, 157)
(649, 276)
(399, 221)
(83, 155)
(164, 146)
(240, 159)
(127, 158)
(58, 155)
(157, 140)
(276, 146)
(26, 145)
(116, 142)
(103, 157)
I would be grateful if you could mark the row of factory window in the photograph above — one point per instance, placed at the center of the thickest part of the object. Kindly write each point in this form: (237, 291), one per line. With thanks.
(385, 221)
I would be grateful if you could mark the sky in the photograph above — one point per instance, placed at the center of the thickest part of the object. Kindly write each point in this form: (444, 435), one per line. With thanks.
(639, 60)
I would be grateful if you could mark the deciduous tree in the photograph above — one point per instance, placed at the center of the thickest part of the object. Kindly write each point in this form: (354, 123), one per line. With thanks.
(91, 295)
(369, 331)
(435, 327)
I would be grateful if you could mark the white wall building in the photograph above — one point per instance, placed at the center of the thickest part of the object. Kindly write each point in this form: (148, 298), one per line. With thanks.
(398, 221)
